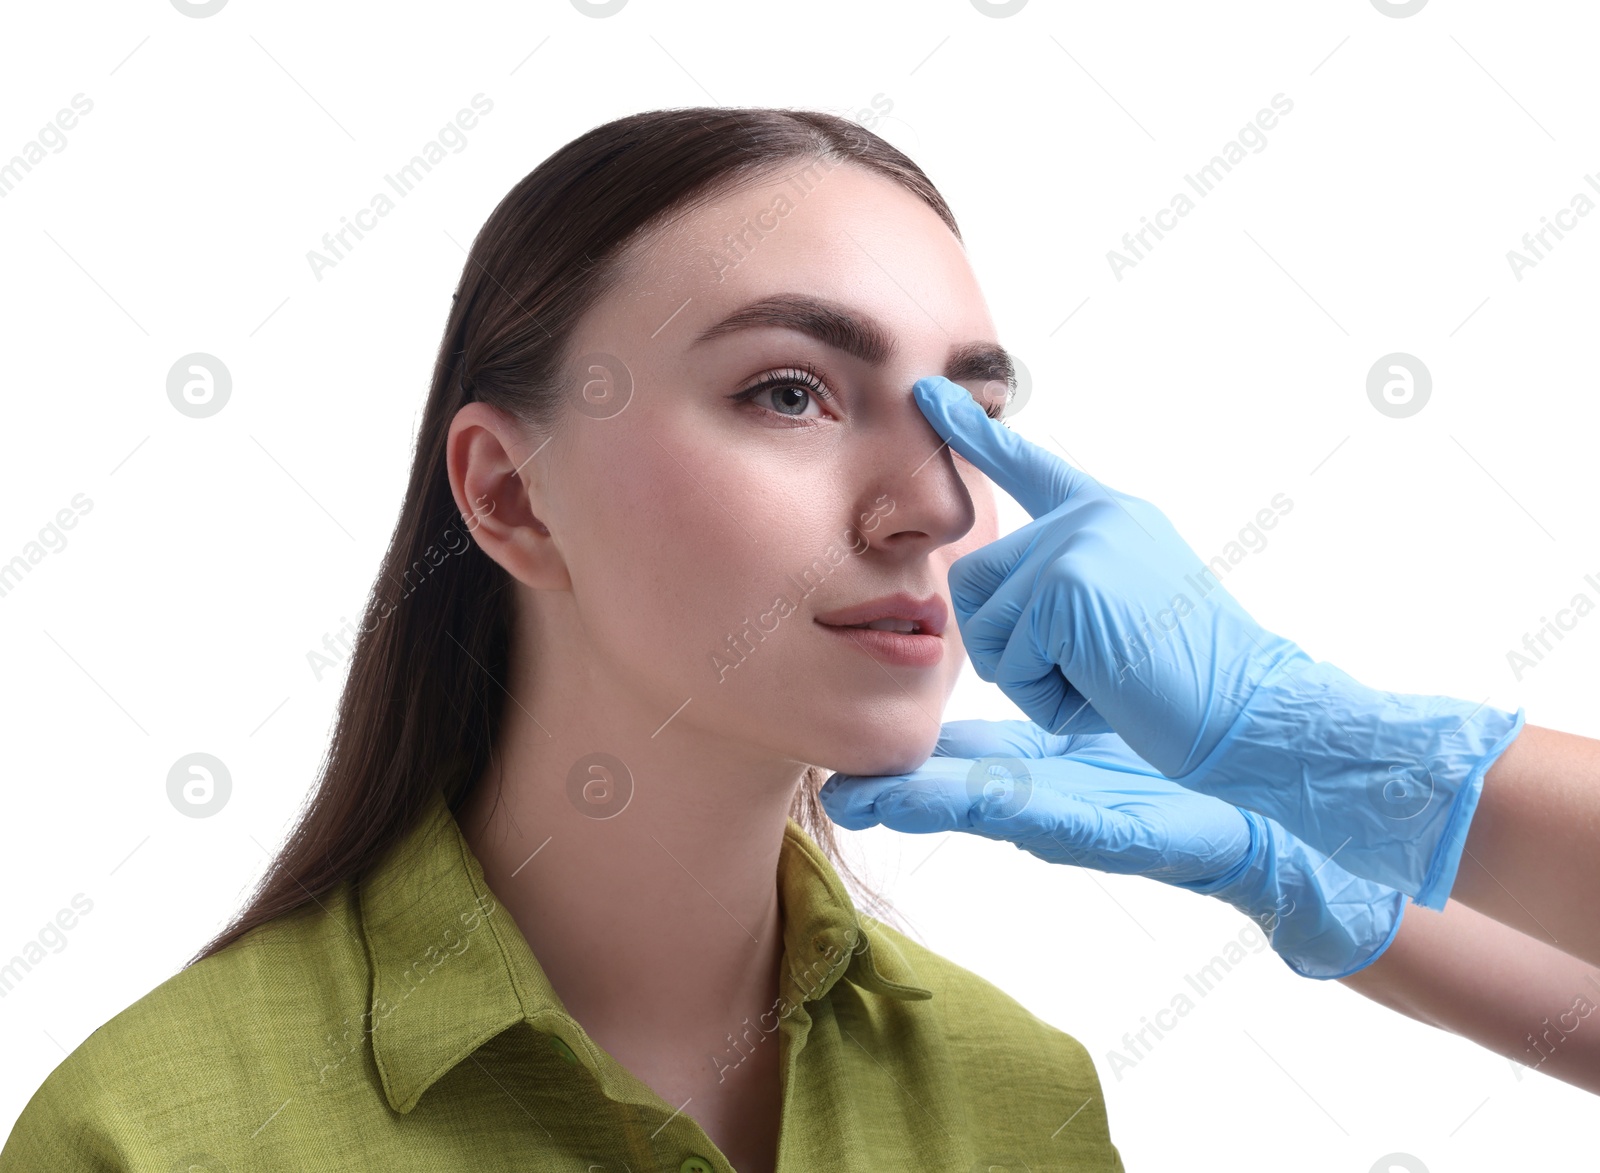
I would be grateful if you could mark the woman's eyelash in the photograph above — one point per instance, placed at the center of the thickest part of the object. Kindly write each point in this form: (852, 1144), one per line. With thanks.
(799, 375)
(997, 409)
(808, 377)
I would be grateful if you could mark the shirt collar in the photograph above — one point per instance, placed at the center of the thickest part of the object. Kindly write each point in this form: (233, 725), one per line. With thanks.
(451, 969)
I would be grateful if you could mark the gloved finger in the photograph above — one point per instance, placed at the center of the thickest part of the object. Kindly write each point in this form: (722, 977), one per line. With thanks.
(952, 794)
(985, 614)
(1033, 681)
(991, 606)
(972, 738)
(991, 589)
(1025, 740)
(1114, 814)
(937, 796)
(1027, 670)
(1063, 828)
(1036, 479)
(848, 800)
(1108, 751)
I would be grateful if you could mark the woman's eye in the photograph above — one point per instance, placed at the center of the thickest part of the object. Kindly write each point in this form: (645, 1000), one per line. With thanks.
(995, 397)
(788, 393)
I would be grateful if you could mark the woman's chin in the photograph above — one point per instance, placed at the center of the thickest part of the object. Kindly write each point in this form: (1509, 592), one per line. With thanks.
(878, 759)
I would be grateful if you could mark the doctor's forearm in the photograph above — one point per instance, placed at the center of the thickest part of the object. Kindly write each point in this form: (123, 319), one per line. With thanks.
(1466, 973)
(1532, 858)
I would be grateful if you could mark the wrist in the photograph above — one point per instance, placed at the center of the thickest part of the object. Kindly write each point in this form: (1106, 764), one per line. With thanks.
(1388, 781)
(1322, 921)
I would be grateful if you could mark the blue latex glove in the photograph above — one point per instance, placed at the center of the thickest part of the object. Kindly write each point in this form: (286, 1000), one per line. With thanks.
(1091, 801)
(1097, 615)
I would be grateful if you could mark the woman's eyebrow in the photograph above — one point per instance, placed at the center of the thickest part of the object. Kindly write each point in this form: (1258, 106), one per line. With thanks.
(858, 335)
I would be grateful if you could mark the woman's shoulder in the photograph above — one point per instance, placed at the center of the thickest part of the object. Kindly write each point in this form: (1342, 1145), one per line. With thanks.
(257, 996)
(229, 1032)
(977, 1014)
(1027, 1092)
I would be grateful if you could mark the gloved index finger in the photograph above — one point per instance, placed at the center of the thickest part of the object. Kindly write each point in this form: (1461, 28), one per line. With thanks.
(976, 738)
(1036, 479)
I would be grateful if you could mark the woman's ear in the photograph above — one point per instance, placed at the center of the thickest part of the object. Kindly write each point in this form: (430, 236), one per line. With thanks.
(497, 476)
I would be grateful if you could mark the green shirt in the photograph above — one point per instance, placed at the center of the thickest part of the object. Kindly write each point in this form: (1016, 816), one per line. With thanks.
(404, 1024)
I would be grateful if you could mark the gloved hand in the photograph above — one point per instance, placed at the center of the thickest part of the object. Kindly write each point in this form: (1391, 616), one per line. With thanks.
(1091, 801)
(1097, 615)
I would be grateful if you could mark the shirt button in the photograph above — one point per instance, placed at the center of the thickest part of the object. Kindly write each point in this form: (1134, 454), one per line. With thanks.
(695, 1165)
(562, 1049)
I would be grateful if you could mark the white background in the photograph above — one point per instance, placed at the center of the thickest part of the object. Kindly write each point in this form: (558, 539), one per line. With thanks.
(1228, 366)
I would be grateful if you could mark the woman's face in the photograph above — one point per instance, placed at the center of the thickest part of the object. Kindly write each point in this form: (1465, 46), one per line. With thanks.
(705, 528)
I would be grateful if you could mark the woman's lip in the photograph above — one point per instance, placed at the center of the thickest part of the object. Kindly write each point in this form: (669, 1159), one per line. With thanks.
(930, 613)
(893, 647)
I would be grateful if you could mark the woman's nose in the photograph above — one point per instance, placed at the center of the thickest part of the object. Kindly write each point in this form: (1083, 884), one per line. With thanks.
(916, 494)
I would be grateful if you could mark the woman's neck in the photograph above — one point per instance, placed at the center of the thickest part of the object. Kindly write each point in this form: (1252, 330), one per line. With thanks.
(659, 927)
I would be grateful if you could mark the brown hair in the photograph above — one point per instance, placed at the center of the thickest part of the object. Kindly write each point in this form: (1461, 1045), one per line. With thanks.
(421, 704)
